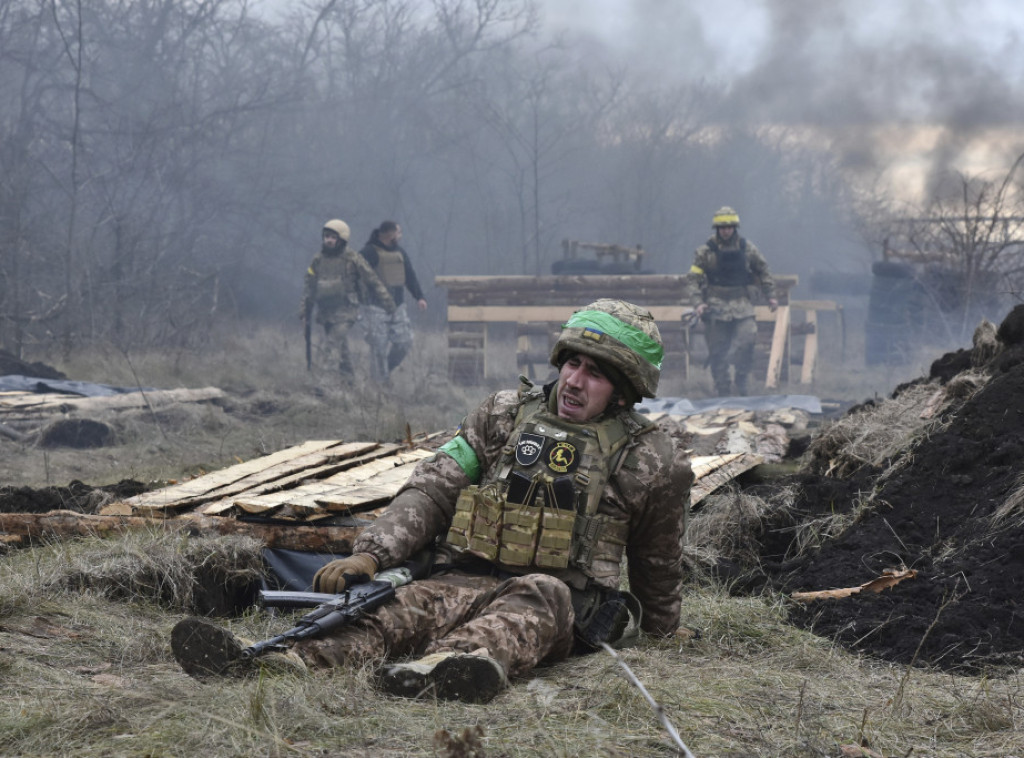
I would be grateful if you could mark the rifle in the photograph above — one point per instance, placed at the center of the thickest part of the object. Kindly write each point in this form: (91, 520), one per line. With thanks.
(309, 337)
(335, 611)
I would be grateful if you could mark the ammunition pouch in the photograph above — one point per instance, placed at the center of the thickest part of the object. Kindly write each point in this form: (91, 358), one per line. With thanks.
(487, 525)
(603, 615)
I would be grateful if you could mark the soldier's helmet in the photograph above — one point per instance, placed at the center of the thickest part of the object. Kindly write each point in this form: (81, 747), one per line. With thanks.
(725, 216)
(339, 227)
(617, 334)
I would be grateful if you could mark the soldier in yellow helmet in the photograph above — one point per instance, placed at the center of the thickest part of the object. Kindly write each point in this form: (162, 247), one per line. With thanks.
(536, 507)
(338, 280)
(728, 272)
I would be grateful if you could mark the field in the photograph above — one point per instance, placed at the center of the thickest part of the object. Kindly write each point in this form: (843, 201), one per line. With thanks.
(84, 624)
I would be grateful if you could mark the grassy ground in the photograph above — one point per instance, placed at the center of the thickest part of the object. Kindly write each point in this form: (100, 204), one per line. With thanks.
(84, 625)
(272, 402)
(88, 672)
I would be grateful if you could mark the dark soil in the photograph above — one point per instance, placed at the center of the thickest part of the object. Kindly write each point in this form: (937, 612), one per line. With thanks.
(10, 364)
(76, 432)
(964, 609)
(77, 496)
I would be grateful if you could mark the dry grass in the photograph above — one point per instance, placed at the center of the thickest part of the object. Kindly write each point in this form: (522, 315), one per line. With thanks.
(730, 524)
(85, 624)
(89, 675)
(878, 435)
(271, 402)
(1010, 513)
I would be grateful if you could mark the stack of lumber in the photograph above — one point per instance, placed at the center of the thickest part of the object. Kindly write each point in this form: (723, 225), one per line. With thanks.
(314, 496)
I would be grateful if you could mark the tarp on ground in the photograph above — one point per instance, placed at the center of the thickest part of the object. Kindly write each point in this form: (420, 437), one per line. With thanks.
(18, 383)
(681, 406)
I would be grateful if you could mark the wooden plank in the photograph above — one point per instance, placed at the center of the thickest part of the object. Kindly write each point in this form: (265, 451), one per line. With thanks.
(777, 354)
(193, 490)
(810, 349)
(333, 493)
(53, 402)
(542, 285)
(224, 500)
(384, 485)
(712, 471)
(554, 313)
(815, 305)
(24, 401)
(35, 527)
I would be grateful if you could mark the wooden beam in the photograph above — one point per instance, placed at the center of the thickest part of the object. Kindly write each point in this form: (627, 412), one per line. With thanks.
(553, 313)
(810, 349)
(815, 305)
(36, 402)
(778, 351)
(36, 527)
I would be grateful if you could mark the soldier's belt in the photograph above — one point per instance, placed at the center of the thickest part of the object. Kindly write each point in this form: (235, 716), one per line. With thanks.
(728, 293)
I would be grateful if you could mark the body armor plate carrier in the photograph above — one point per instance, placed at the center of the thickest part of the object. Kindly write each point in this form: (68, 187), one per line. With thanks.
(539, 509)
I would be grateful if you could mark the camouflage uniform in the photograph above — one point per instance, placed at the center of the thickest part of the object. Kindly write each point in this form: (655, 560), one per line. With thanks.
(337, 283)
(389, 331)
(520, 617)
(726, 276)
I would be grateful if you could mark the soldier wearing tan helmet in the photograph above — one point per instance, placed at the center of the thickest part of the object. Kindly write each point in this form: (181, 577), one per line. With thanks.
(534, 507)
(337, 282)
(728, 272)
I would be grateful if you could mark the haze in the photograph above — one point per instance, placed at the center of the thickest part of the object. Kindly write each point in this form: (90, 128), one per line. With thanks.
(168, 165)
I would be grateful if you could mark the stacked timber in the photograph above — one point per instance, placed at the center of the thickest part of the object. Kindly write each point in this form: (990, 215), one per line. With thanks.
(316, 496)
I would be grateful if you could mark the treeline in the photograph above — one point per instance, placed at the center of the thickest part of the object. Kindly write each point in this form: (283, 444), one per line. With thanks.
(165, 164)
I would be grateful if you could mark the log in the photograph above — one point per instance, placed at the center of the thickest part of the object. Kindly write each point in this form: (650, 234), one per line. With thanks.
(36, 527)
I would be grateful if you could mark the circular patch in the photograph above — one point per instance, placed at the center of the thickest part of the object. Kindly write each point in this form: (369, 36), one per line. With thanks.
(562, 457)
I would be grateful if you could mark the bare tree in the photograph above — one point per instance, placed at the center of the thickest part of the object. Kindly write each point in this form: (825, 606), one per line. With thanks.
(968, 243)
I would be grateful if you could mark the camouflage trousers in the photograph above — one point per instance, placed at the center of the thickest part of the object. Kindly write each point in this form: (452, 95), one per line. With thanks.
(389, 336)
(336, 328)
(730, 342)
(520, 622)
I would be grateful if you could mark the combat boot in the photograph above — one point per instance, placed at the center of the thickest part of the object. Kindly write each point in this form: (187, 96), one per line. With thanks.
(203, 649)
(469, 677)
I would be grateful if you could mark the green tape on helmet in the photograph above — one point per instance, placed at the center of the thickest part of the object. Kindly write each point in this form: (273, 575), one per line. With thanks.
(596, 323)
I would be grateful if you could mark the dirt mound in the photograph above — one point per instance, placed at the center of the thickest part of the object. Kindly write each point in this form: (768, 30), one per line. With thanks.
(951, 507)
(77, 496)
(10, 364)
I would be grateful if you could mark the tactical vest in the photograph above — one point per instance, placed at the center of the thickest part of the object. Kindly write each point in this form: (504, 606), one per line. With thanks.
(539, 508)
(332, 289)
(391, 266)
(730, 267)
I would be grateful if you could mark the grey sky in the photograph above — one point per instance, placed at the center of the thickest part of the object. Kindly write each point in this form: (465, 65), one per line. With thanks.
(909, 86)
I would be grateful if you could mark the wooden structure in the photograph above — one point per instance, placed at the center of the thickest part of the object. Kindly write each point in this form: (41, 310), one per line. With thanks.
(315, 496)
(538, 305)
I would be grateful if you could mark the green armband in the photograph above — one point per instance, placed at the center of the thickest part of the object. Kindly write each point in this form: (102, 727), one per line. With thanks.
(464, 455)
